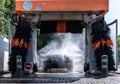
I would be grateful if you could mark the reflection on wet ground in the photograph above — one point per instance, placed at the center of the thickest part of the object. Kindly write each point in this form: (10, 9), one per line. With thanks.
(43, 78)
(62, 78)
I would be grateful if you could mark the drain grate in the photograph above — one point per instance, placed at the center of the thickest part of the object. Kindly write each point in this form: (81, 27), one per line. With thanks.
(39, 80)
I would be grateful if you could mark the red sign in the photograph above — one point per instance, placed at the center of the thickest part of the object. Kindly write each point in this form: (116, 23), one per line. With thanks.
(28, 65)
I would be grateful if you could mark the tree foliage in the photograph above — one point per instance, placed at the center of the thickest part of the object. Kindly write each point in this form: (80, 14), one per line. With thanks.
(43, 39)
(119, 47)
(6, 8)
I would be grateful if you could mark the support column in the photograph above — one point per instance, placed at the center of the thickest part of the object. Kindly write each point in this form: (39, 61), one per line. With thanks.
(10, 31)
(10, 28)
(32, 52)
(91, 54)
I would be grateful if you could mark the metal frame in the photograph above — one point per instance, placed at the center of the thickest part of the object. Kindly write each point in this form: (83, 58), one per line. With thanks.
(116, 22)
(62, 5)
(10, 28)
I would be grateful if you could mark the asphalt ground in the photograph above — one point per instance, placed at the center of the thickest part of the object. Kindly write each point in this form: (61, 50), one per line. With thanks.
(56, 78)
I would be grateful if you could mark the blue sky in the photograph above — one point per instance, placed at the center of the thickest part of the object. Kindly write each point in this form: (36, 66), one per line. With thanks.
(114, 12)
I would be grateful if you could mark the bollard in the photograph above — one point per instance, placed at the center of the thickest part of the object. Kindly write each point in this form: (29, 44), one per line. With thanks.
(104, 65)
(19, 72)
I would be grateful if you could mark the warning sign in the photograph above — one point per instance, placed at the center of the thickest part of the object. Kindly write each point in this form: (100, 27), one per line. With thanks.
(28, 65)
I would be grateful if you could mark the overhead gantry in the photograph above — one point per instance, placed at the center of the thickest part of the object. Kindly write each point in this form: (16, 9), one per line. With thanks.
(59, 13)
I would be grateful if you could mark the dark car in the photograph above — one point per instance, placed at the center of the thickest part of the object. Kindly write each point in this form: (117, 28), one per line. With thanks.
(58, 62)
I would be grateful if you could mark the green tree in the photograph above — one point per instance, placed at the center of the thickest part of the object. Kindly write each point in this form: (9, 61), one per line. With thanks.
(119, 47)
(6, 8)
(43, 39)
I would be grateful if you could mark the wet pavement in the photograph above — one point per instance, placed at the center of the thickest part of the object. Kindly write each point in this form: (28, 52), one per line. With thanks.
(42, 78)
(63, 78)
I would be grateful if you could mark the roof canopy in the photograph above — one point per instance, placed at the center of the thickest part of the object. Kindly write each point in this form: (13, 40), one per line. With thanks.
(61, 5)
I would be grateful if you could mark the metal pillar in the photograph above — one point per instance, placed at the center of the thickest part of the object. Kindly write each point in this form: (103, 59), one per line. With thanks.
(10, 27)
(32, 52)
(91, 58)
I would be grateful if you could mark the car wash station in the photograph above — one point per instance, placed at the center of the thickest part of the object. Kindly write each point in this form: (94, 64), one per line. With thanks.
(82, 17)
